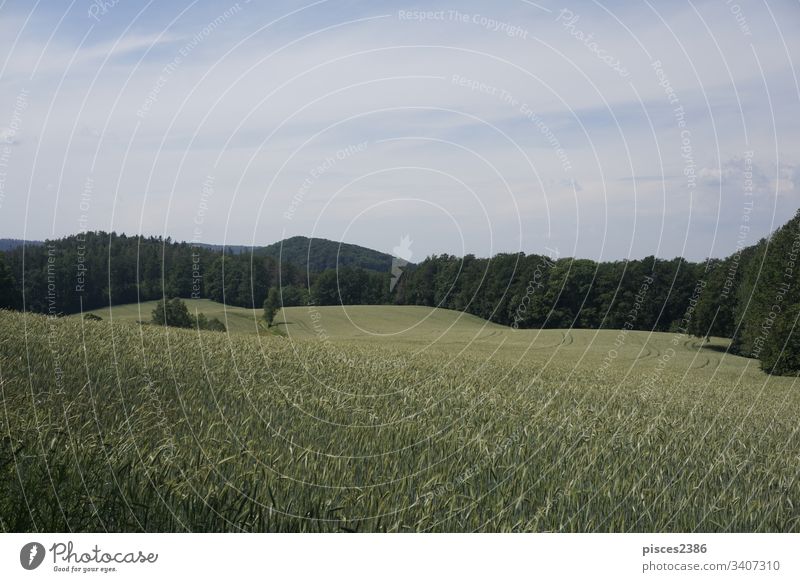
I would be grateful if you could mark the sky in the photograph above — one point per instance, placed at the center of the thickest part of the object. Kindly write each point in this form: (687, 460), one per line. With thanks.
(600, 130)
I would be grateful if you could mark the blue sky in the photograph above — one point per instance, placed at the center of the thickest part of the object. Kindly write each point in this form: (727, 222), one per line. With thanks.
(470, 127)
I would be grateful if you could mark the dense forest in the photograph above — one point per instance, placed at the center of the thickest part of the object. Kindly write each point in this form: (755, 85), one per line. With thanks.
(312, 254)
(752, 296)
(317, 254)
(94, 269)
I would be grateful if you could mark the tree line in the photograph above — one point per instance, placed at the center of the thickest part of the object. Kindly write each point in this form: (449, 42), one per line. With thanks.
(95, 269)
(752, 296)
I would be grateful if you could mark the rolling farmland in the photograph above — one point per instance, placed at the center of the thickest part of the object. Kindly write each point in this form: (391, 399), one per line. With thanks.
(387, 419)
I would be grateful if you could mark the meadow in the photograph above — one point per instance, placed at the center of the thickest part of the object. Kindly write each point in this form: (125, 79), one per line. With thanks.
(236, 319)
(388, 418)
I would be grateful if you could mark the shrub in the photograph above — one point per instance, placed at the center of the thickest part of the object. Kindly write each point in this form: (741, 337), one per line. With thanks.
(172, 312)
(213, 324)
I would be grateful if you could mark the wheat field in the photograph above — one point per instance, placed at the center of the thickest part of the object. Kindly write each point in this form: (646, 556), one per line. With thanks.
(387, 419)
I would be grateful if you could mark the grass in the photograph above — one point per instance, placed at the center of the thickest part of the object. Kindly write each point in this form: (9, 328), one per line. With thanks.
(236, 319)
(386, 323)
(416, 420)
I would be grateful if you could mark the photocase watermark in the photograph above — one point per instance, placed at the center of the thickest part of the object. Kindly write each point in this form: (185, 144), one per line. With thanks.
(500, 449)
(100, 8)
(339, 355)
(53, 339)
(52, 308)
(523, 108)
(317, 172)
(370, 368)
(401, 257)
(83, 226)
(490, 24)
(94, 560)
(628, 326)
(206, 192)
(31, 555)
(689, 166)
(161, 422)
(8, 137)
(744, 227)
(681, 334)
(169, 69)
(780, 294)
(568, 20)
(536, 283)
(739, 16)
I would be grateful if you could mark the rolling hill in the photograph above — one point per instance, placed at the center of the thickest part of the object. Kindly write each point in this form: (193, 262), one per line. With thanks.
(563, 430)
(442, 330)
(236, 319)
(315, 254)
(318, 254)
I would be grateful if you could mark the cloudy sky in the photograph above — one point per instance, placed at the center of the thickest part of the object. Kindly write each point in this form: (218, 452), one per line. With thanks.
(601, 129)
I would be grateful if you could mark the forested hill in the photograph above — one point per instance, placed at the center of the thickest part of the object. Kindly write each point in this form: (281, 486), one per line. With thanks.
(319, 254)
(314, 254)
(752, 296)
(93, 269)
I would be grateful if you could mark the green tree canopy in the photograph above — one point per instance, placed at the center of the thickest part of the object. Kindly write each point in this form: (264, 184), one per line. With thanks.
(8, 292)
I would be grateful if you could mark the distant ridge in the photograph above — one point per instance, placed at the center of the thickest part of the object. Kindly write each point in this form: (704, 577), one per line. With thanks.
(9, 244)
(314, 254)
(318, 254)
